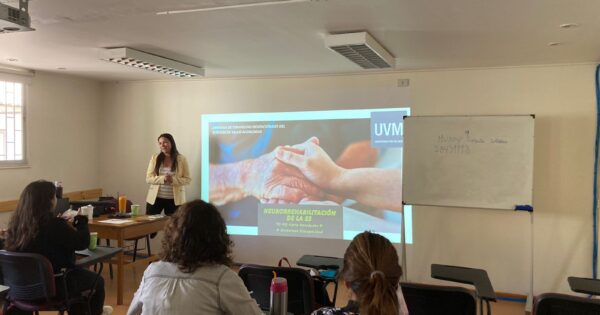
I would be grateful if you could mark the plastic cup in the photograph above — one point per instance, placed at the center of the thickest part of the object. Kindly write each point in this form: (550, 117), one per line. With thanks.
(93, 240)
(89, 211)
(135, 210)
(122, 204)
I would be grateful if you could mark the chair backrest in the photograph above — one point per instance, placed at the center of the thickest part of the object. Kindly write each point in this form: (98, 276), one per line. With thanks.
(29, 276)
(301, 296)
(559, 304)
(425, 299)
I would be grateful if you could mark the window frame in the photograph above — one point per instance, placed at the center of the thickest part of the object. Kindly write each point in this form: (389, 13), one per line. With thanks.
(25, 161)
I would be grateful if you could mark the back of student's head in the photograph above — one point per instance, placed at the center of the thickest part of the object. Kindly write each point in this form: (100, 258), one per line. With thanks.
(196, 236)
(33, 209)
(372, 270)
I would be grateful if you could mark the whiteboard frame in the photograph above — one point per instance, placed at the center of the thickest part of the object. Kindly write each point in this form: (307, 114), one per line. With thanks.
(530, 189)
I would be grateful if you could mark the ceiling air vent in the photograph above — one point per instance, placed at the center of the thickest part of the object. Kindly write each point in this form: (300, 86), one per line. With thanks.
(362, 49)
(15, 19)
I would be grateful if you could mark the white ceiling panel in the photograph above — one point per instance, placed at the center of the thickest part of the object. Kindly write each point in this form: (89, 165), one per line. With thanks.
(286, 38)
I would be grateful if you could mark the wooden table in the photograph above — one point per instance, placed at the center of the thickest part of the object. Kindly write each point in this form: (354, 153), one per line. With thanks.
(139, 226)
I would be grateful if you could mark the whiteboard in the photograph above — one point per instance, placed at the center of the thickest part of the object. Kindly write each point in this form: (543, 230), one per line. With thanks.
(468, 161)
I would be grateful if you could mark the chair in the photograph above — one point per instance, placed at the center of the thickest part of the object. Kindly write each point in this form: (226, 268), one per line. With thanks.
(327, 268)
(301, 295)
(474, 276)
(428, 299)
(563, 304)
(32, 284)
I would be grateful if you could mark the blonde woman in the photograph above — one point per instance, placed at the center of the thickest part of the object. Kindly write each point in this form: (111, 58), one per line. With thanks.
(372, 275)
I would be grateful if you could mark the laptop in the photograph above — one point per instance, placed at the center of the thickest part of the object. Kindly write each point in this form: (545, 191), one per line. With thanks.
(62, 205)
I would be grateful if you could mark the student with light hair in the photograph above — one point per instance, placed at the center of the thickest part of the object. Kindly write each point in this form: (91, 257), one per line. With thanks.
(372, 275)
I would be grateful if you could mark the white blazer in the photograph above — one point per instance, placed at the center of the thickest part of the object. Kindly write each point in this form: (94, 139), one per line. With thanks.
(180, 179)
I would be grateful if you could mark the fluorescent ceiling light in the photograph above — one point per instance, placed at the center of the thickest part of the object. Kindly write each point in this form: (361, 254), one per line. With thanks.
(233, 5)
(139, 59)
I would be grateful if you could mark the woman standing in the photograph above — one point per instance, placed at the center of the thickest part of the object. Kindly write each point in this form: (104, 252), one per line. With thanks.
(33, 228)
(167, 175)
(372, 275)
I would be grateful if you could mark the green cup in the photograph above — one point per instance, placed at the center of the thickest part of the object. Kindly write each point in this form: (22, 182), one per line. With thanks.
(135, 210)
(93, 240)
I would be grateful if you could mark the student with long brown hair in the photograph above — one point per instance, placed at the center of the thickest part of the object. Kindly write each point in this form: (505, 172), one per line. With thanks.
(34, 228)
(372, 274)
(194, 274)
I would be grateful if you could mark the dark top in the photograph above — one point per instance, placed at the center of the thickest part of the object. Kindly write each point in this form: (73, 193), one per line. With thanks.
(58, 240)
(350, 309)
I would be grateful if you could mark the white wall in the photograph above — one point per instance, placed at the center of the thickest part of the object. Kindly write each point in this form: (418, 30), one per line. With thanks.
(78, 129)
(561, 97)
(62, 121)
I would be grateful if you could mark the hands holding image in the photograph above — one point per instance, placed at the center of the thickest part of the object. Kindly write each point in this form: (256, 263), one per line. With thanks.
(371, 186)
(291, 174)
(265, 178)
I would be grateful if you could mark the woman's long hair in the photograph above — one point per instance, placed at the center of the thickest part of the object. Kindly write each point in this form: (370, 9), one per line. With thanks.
(372, 270)
(161, 156)
(196, 236)
(33, 210)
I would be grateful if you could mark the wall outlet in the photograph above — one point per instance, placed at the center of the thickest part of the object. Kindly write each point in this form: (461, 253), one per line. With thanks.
(403, 82)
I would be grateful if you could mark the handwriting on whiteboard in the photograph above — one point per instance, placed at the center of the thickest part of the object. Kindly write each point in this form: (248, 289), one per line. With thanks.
(463, 144)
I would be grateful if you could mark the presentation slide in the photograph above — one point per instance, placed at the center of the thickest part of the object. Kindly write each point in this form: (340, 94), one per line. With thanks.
(320, 174)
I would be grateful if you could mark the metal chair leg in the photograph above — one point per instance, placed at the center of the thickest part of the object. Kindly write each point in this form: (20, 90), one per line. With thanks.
(148, 245)
(110, 268)
(135, 249)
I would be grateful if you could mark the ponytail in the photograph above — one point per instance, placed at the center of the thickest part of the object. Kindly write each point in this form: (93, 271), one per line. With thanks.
(378, 296)
(372, 270)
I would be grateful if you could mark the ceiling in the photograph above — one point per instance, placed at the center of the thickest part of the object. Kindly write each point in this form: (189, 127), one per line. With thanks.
(286, 38)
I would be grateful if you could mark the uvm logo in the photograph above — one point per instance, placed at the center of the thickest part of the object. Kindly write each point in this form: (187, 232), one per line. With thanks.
(386, 129)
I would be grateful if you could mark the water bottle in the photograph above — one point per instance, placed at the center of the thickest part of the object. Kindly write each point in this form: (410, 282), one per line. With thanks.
(59, 189)
(279, 292)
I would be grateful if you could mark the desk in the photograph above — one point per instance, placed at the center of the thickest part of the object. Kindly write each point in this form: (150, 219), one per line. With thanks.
(477, 277)
(320, 262)
(99, 255)
(584, 285)
(134, 227)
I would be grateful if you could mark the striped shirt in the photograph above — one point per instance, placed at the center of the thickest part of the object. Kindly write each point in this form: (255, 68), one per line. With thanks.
(166, 190)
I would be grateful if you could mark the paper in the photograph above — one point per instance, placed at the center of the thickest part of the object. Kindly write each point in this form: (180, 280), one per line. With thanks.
(85, 252)
(115, 221)
(154, 217)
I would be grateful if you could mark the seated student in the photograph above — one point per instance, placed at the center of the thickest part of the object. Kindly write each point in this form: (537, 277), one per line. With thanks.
(193, 275)
(372, 274)
(33, 228)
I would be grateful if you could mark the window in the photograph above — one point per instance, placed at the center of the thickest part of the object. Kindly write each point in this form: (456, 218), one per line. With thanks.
(11, 123)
